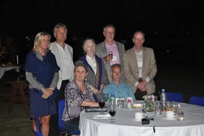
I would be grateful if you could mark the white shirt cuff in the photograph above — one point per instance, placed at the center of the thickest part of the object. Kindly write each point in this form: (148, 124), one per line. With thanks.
(136, 84)
(147, 79)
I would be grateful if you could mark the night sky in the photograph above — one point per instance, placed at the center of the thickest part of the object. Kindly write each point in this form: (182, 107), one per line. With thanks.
(167, 23)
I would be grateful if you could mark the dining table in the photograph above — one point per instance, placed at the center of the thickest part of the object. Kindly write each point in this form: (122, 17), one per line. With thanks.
(3, 69)
(97, 124)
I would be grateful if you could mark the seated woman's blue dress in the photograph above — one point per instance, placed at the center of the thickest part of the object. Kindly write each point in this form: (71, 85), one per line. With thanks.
(43, 72)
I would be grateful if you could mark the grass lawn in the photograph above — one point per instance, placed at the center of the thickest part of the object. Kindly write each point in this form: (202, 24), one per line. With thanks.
(15, 123)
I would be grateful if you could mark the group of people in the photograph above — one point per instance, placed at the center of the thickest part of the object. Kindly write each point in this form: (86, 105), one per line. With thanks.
(105, 68)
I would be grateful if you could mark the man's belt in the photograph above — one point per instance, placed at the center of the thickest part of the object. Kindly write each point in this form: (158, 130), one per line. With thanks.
(66, 81)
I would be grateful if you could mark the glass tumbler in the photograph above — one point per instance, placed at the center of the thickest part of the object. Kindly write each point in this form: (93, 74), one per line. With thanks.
(157, 108)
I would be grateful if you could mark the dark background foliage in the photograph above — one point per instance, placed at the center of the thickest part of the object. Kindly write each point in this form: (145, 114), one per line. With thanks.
(174, 28)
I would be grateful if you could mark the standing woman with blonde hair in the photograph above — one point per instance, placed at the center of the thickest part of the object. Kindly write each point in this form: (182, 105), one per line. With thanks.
(42, 74)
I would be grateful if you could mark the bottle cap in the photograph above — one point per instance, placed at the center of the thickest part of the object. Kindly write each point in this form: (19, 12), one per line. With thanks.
(163, 90)
(112, 93)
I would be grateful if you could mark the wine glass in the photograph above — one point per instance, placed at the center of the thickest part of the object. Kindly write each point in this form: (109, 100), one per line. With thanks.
(144, 108)
(101, 104)
(110, 52)
(112, 111)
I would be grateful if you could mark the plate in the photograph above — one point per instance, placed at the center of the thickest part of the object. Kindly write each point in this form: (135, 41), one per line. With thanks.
(137, 119)
(103, 115)
(136, 106)
(170, 118)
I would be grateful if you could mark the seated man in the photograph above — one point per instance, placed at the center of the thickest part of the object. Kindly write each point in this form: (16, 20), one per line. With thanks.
(121, 90)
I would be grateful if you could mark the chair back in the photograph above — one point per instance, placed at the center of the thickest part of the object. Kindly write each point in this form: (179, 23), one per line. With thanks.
(38, 132)
(172, 96)
(61, 106)
(197, 100)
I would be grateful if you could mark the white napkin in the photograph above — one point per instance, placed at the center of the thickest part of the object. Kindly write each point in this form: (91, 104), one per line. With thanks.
(102, 116)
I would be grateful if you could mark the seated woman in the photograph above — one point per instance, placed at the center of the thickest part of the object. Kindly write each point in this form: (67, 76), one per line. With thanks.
(78, 94)
(97, 76)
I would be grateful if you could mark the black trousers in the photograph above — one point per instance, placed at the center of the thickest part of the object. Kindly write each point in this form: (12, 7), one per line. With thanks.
(54, 127)
(72, 125)
(139, 94)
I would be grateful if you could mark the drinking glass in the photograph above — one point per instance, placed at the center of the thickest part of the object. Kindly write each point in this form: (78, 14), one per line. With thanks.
(175, 107)
(112, 111)
(105, 97)
(169, 106)
(144, 108)
(101, 104)
(120, 102)
(157, 108)
(180, 115)
(110, 52)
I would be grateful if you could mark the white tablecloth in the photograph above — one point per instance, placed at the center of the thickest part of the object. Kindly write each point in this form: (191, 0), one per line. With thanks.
(6, 68)
(125, 125)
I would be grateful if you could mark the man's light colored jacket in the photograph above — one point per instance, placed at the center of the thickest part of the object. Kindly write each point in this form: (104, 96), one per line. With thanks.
(54, 49)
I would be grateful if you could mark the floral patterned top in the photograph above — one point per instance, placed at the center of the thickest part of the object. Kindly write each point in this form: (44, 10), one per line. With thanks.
(73, 99)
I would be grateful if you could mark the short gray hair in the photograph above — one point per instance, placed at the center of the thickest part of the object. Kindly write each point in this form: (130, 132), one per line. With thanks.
(139, 31)
(116, 65)
(85, 41)
(109, 25)
(58, 26)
